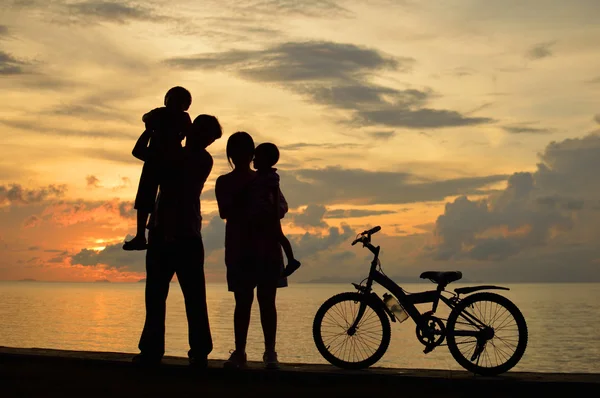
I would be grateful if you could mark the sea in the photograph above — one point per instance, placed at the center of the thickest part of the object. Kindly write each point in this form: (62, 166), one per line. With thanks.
(563, 322)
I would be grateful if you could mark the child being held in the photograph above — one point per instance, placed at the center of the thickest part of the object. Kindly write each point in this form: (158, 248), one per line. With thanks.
(166, 128)
(266, 156)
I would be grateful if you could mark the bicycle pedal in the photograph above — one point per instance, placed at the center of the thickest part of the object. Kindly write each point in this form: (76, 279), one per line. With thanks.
(428, 349)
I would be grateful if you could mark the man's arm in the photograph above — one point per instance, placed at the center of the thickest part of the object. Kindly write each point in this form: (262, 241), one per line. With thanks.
(140, 150)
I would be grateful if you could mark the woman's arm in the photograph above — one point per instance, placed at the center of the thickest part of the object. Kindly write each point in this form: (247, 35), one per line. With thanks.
(224, 199)
(140, 150)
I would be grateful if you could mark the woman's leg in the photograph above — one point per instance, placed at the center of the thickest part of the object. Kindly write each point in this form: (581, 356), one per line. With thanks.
(241, 317)
(266, 294)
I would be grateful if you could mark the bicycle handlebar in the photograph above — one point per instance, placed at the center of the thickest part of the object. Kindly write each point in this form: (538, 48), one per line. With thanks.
(368, 234)
(371, 231)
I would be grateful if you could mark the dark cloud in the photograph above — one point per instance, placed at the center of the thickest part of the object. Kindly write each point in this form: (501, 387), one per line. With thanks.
(112, 256)
(16, 194)
(310, 244)
(541, 50)
(305, 8)
(382, 135)
(311, 216)
(597, 118)
(356, 213)
(335, 75)
(109, 11)
(336, 185)
(420, 118)
(3, 31)
(92, 181)
(524, 129)
(9, 65)
(531, 211)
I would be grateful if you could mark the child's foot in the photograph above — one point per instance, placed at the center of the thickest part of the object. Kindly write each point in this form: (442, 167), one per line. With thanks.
(270, 360)
(292, 266)
(237, 360)
(137, 243)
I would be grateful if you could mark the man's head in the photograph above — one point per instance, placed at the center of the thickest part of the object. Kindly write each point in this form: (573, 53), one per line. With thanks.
(206, 129)
(178, 98)
(266, 155)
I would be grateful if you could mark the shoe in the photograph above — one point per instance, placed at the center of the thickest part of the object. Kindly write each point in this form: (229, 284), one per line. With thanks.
(236, 361)
(270, 360)
(199, 362)
(292, 266)
(146, 360)
(136, 244)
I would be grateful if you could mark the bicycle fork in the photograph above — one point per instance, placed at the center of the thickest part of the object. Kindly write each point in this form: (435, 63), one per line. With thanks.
(359, 315)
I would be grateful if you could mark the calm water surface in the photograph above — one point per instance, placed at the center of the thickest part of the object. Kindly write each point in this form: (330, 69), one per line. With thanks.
(562, 319)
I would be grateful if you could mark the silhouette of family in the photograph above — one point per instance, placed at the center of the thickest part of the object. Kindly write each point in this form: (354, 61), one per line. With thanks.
(168, 205)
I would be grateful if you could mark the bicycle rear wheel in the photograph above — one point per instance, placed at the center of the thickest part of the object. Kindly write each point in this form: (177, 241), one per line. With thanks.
(504, 340)
(351, 350)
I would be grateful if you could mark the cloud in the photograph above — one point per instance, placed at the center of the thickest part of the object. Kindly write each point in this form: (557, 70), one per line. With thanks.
(337, 185)
(17, 195)
(112, 256)
(335, 75)
(597, 118)
(311, 216)
(310, 244)
(92, 181)
(3, 31)
(109, 11)
(523, 129)
(541, 50)
(355, 213)
(534, 209)
(71, 212)
(9, 65)
(306, 8)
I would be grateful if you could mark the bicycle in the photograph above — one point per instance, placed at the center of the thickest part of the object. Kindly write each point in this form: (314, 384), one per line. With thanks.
(361, 340)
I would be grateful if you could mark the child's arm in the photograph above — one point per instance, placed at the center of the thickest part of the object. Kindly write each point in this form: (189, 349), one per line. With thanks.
(140, 150)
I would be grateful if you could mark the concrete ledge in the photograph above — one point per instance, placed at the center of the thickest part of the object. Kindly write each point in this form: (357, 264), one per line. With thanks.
(53, 373)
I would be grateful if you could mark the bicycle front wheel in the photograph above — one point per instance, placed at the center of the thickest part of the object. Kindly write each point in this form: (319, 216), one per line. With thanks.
(346, 349)
(486, 334)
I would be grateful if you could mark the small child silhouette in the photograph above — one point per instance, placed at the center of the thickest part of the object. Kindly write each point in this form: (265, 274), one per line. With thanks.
(266, 156)
(166, 128)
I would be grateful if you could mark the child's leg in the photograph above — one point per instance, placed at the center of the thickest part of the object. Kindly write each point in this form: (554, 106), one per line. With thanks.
(144, 204)
(293, 264)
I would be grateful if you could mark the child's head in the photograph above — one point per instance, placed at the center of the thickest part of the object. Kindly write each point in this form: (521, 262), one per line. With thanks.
(178, 98)
(206, 129)
(266, 156)
(240, 149)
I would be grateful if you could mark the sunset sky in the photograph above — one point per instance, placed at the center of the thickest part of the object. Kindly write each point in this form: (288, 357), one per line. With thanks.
(469, 130)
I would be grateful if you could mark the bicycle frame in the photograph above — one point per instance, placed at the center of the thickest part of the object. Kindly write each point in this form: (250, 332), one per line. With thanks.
(408, 301)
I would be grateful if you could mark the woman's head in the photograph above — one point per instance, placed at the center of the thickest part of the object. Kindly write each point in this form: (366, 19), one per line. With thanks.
(240, 149)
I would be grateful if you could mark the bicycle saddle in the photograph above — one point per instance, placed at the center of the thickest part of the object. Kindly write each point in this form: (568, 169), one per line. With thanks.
(442, 277)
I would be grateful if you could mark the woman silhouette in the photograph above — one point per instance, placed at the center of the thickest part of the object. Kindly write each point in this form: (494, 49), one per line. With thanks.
(253, 257)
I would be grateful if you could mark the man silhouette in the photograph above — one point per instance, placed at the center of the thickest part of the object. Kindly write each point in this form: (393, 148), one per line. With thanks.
(175, 247)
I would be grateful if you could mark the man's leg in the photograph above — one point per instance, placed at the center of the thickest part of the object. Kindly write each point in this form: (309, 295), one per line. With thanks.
(190, 273)
(158, 276)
